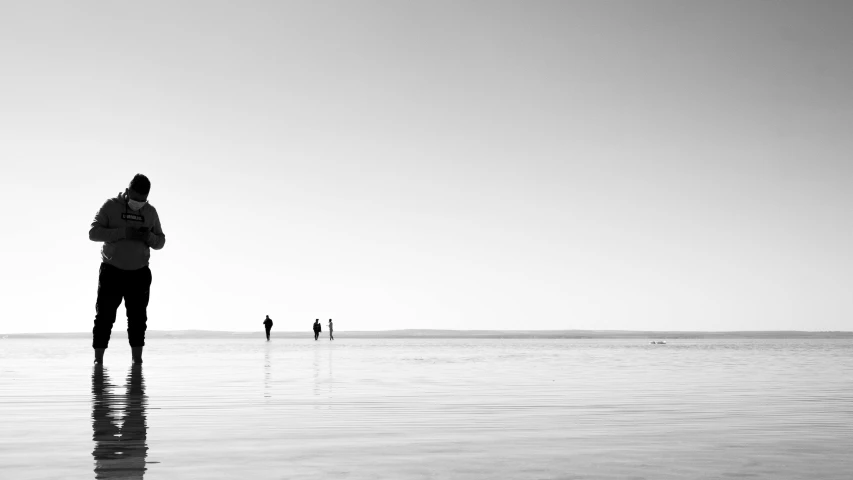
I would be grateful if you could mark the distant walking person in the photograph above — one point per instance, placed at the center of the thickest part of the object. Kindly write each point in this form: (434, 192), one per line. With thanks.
(317, 329)
(331, 330)
(268, 326)
(129, 227)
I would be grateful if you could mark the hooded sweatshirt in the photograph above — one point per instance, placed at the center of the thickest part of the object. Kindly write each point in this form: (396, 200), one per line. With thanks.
(109, 227)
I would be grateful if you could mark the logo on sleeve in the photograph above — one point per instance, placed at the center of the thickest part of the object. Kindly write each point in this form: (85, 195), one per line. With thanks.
(133, 217)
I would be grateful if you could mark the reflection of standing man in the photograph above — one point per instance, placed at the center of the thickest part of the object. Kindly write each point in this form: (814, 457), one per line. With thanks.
(268, 326)
(331, 330)
(129, 227)
(317, 329)
(121, 445)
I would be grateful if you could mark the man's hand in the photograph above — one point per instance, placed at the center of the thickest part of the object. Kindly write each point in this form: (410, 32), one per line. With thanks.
(136, 233)
(143, 233)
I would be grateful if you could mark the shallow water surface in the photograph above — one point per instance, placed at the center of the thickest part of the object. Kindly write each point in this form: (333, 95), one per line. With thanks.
(421, 409)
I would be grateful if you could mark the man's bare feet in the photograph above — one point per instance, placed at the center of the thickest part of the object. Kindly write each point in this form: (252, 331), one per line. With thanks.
(137, 354)
(99, 356)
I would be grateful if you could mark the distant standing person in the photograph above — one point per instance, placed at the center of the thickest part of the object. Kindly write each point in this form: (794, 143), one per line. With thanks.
(331, 330)
(129, 227)
(317, 329)
(268, 326)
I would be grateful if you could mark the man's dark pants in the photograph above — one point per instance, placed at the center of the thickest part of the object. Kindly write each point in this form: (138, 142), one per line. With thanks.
(115, 284)
(268, 332)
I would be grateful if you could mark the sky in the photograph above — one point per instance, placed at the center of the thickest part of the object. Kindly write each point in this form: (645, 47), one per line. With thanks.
(609, 165)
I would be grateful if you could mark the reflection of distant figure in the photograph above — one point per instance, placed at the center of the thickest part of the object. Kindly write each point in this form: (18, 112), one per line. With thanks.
(331, 330)
(120, 442)
(268, 326)
(317, 329)
(267, 364)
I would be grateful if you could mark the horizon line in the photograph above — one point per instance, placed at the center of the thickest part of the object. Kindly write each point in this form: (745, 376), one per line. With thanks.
(473, 331)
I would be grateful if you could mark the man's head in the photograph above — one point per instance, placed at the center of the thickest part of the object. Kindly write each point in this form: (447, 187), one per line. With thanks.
(137, 192)
(138, 188)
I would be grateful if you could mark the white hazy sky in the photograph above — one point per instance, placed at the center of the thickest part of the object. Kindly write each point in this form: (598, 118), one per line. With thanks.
(435, 164)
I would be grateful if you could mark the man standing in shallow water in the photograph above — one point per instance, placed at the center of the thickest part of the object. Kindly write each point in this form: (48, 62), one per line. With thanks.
(268, 326)
(317, 329)
(129, 227)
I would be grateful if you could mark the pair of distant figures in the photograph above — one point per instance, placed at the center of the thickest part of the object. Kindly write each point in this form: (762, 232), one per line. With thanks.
(317, 328)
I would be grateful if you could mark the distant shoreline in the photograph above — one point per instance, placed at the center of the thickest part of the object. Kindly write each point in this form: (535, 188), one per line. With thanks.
(465, 334)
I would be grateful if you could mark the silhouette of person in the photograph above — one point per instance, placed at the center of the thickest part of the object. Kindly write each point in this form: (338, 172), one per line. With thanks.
(120, 440)
(331, 330)
(268, 326)
(129, 227)
(317, 329)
